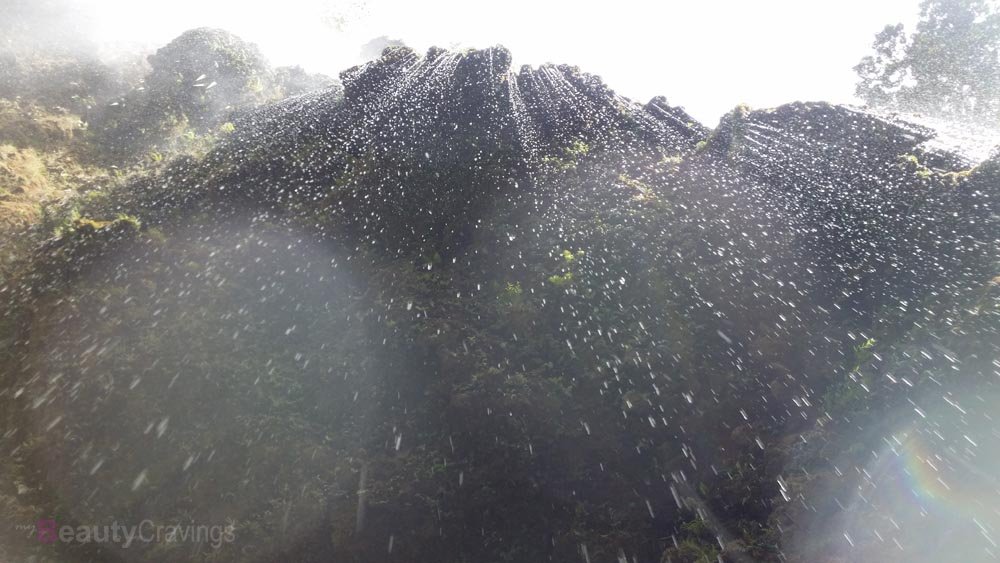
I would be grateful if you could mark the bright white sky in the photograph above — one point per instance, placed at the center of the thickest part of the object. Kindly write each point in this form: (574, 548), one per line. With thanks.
(705, 55)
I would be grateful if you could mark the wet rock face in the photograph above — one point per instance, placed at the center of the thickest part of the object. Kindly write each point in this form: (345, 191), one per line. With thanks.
(470, 70)
(541, 320)
(839, 143)
(480, 76)
(485, 65)
(366, 82)
(677, 119)
(549, 106)
(460, 129)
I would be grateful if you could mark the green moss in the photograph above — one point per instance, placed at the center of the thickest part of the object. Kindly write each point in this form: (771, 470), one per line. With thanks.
(642, 190)
(561, 280)
(695, 543)
(570, 257)
(956, 178)
(577, 149)
(513, 289)
(569, 158)
(911, 163)
(673, 161)
(58, 220)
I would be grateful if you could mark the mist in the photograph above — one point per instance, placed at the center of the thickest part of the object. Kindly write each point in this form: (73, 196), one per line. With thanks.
(436, 282)
(787, 51)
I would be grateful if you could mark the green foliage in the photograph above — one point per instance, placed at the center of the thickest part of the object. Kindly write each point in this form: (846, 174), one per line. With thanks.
(577, 149)
(561, 280)
(512, 296)
(947, 67)
(569, 158)
(863, 353)
(196, 81)
(513, 289)
(569, 262)
(691, 551)
(695, 543)
(912, 164)
(57, 220)
(642, 190)
(569, 257)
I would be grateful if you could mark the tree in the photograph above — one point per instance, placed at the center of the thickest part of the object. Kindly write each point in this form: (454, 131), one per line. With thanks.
(195, 83)
(204, 73)
(950, 67)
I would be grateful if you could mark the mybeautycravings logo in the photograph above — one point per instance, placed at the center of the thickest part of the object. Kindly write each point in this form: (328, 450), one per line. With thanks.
(125, 536)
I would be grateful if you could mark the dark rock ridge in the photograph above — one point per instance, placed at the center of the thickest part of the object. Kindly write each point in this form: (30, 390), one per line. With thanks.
(410, 97)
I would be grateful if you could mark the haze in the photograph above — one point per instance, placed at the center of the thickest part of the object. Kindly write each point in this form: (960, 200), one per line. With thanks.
(682, 50)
